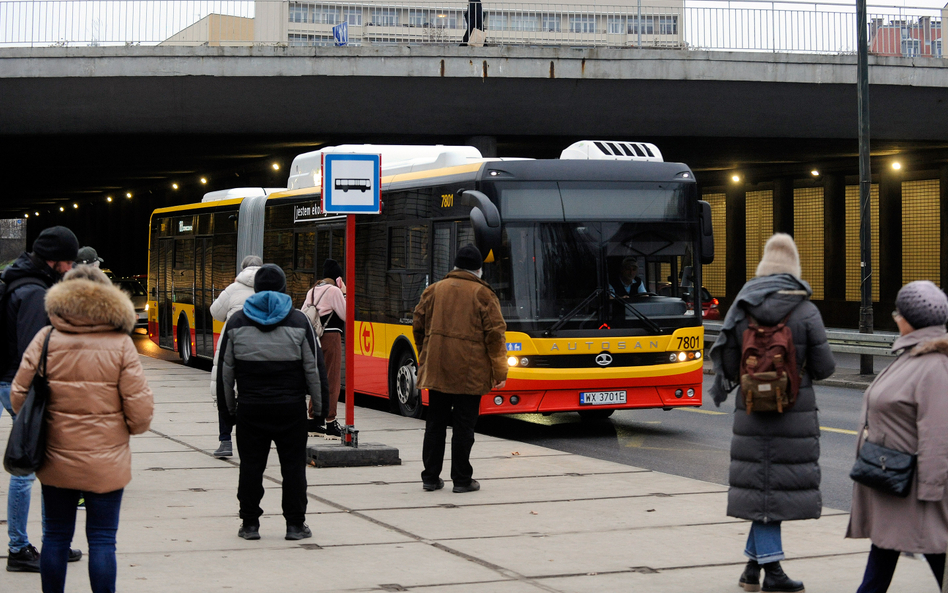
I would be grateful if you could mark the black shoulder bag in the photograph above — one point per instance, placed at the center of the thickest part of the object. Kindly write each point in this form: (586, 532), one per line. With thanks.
(26, 449)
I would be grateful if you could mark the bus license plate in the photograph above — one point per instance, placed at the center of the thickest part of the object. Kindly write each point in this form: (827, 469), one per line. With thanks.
(601, 398)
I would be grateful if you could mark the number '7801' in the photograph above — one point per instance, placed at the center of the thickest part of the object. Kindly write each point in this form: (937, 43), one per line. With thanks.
(689, 343)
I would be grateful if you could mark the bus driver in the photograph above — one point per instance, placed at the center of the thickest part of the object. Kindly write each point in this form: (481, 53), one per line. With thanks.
(628, 283)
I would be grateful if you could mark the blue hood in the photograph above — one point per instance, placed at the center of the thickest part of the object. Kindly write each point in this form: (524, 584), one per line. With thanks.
(268, 307)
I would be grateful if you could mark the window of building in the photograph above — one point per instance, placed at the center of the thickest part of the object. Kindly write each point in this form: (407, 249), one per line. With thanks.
(385, 17)
(714, 275)
(551, 22)
(760, 226)
(647, 25)
(616, 25)
(582, 23)
(299, 12)
(418, 18)
(910, 47)
(921, 231)
(667, 25)
(353, 16)
(325, 15)
(497, 21)
(808, 223)
(524, 22)
(853, 247)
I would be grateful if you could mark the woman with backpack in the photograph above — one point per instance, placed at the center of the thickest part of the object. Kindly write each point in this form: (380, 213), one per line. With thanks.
(906, 409)
(328, 298)
(775, 451)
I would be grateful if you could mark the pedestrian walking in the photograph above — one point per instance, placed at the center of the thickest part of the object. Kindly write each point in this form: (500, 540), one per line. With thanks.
(329, 298)
(906, 409)
(27, 279)
(88, 256)
(228, 302)
(460, 335)
(98, 397)
(775, 473)
(269, 351)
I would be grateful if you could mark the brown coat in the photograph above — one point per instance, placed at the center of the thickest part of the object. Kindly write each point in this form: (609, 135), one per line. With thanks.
(99, 394)
(908, 411)
(459, 333)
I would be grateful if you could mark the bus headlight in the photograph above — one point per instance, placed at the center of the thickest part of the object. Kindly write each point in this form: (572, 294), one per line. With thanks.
(498, 400)
(672, 357)
(524, 361)
(512, 361)
(682, 357)
(146, 306)
(697, 355)
(691, 392)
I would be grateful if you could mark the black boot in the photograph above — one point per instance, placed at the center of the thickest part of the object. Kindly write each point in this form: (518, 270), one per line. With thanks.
(750, 580)
(777, 581)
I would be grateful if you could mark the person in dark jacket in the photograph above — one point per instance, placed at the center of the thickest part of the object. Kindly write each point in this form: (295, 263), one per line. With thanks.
(459, 331)
(270, 352)
(27, 279)
(775, 472)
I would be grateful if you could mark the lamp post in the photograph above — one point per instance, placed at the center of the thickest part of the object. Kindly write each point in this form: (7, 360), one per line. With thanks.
(865, 182)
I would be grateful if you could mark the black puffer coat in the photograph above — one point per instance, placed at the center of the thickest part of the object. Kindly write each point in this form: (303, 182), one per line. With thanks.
(775, 472)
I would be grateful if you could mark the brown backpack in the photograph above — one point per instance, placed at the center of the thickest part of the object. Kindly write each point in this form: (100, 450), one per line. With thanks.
(769, 377)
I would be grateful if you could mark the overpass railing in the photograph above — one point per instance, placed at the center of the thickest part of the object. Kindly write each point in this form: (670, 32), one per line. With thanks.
(752, 25)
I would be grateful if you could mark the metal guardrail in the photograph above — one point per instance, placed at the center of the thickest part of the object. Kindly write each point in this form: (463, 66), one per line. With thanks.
(749, 25)
(840, 340)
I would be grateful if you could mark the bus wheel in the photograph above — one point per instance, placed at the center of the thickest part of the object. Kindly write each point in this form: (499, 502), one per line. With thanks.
(403, 388)
(184, 343)
(593, 415)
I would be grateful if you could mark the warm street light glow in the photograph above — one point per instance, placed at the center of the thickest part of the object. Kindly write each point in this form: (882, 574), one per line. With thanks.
(174, 186)
(61, 209)
(276, 166)
(128, 195)
(37, 213)
(815, 173)
(203, 180)
(896, 165)
(74, 205)
(735, 178)
(108, 198)
(27, 215)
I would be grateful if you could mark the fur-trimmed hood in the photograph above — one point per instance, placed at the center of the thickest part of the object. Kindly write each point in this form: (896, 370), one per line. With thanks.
(939, 346)
(85, 306)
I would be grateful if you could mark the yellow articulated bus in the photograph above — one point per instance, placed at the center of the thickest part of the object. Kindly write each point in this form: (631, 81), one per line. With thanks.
(578, 249)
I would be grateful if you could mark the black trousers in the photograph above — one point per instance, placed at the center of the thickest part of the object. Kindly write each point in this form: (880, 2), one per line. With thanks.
(258, 426)
(461, 411)
(881, 567)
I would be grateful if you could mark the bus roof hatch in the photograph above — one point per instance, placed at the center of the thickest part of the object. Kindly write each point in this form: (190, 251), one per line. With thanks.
(611, 150)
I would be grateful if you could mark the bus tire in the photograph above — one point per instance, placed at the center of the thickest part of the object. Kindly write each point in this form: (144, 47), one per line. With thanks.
(184, 343)
(403, 386)
(594, 415)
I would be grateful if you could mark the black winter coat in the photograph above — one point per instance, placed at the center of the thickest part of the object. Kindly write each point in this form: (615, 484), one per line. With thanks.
(26, 310)
(775, 472)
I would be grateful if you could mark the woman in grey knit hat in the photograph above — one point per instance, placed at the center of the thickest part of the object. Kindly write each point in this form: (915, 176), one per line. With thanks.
(906, 408)
(775, 472)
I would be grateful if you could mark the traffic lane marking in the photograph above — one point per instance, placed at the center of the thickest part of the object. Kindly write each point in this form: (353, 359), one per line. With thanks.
(713, 413)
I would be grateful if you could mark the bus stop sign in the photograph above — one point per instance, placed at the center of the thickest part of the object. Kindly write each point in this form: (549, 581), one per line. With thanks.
(351, 183)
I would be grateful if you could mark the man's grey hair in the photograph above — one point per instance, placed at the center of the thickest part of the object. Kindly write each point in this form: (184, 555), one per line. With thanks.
(251, 260)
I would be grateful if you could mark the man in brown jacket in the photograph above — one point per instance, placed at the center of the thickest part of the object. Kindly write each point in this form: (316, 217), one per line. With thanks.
(459, 333)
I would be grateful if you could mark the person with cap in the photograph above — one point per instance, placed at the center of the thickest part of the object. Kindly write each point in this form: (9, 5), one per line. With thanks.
(775, 473)
(460, 335)
(87, 256)
(27, 279)
(269, 351)
(906, 408)
(628, 284)
(228, 302)
(329, 298)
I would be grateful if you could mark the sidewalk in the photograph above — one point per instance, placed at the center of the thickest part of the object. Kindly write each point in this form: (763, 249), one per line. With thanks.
(543, 521)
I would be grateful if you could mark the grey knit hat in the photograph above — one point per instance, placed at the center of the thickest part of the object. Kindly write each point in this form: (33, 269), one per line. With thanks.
(922, 304)
(780, 257)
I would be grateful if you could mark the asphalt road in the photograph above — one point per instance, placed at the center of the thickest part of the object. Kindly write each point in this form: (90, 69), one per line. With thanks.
(694, 442)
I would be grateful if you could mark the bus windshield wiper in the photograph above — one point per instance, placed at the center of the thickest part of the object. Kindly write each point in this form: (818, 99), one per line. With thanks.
(651, 324)
(562, 321)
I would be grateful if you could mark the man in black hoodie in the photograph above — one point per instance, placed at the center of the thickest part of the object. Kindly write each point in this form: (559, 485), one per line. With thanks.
(27, 280)
(270, 352)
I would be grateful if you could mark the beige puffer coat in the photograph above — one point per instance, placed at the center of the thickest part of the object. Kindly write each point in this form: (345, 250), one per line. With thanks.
(99, 394)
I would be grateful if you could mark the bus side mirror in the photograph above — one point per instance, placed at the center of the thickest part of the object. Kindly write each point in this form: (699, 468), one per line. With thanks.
(485, 221)
(707, 233)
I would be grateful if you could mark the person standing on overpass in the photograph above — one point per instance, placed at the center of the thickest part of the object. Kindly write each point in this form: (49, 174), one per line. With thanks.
(460, 335)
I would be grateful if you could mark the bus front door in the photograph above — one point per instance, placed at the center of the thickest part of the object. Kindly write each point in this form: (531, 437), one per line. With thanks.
(165, 300)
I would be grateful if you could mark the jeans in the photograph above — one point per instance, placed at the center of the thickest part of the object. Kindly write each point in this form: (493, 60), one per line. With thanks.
(462, 411)
(102, 519)
(881, 566)
(763, 542)
(223, 424)
(18, 498)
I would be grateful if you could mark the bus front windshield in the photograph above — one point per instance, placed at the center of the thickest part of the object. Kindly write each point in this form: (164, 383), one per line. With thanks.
(596, 275)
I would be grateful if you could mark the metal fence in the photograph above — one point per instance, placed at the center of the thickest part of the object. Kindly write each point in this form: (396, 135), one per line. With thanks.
(753, 26)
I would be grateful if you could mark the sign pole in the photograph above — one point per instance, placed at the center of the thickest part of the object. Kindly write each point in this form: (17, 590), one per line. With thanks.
(865, 182)
(350, 332)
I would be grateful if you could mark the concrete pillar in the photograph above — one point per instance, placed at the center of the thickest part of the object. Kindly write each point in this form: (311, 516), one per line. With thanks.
(783, 205)
(889, 267)
(486, 144)
(834, 247)
(736, 229)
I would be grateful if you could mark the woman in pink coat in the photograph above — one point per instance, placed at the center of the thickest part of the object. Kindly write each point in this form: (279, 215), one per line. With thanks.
(98, 398)
(906, 409)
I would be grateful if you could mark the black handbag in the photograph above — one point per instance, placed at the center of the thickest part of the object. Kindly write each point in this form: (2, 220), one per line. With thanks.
(884, 469)
(26, 449)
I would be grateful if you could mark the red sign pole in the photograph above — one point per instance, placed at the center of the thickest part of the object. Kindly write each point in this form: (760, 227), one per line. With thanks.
(350, 327)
